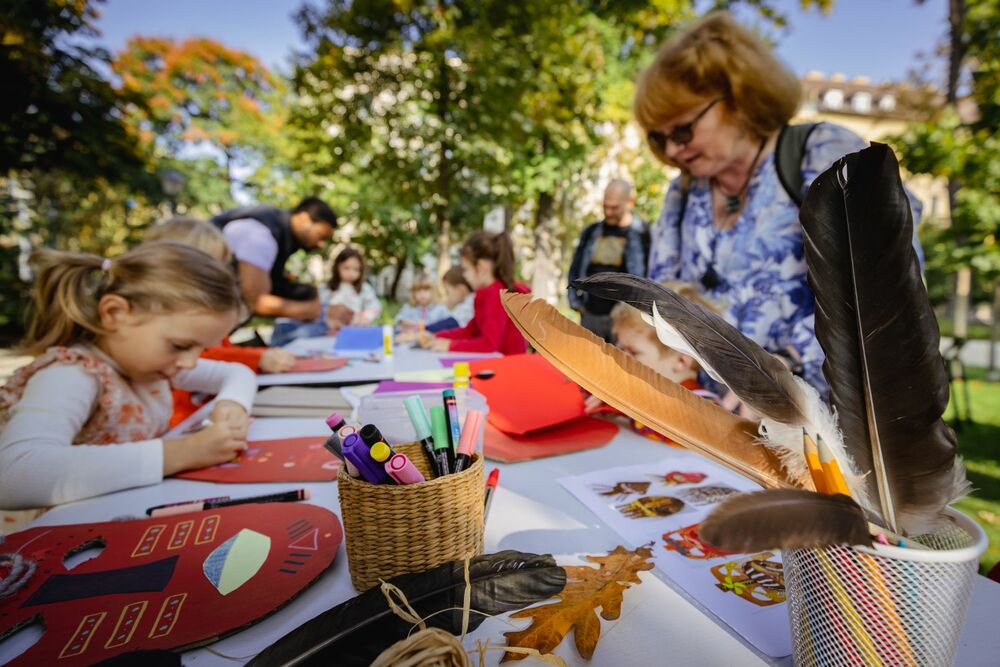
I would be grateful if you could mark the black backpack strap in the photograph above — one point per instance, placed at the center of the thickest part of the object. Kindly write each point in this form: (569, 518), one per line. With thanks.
(788, 156)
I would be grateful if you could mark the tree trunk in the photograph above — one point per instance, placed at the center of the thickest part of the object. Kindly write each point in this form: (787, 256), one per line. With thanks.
(544, 268)
(993, 374)
(956, 53)
(443, 205)
(400, 267)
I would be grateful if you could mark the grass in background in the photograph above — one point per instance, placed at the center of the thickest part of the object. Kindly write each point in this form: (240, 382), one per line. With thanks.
(978, 445)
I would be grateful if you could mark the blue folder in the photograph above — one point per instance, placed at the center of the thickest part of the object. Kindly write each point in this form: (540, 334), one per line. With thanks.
(358, 339)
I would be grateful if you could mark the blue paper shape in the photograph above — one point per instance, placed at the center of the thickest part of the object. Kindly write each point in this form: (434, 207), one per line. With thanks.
(358, 339)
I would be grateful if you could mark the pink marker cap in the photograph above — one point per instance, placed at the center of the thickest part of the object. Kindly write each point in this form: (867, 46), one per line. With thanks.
(333, 420)
(470, 432)
(402, 470)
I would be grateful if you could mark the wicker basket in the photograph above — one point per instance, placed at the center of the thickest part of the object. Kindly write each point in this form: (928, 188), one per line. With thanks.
(859, 606)
(395, 529)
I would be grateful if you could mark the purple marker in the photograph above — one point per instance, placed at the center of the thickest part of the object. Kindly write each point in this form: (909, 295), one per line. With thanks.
(402, 470)
(357, 452)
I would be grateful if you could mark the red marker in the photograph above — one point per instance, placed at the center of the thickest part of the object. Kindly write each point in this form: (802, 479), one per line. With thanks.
(491, 487)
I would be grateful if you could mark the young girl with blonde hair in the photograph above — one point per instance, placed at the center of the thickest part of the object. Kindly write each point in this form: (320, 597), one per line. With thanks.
(111, 337)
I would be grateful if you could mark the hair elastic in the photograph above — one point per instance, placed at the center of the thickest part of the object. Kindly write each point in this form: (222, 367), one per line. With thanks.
(106, 265)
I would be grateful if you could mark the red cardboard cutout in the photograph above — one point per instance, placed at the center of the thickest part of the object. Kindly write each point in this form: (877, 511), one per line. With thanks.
(284, 460)
(526, 393)
(317, 364)
(164, 583)
(573, 436)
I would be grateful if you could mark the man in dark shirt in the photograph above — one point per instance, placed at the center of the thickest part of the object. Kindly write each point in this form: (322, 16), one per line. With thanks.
(262, 239)
(619, 243)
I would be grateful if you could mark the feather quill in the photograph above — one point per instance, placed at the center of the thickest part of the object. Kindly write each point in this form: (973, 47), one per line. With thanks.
(786, 403)
(354, 633)
(887, 379)
(641, 393)
(784, 519)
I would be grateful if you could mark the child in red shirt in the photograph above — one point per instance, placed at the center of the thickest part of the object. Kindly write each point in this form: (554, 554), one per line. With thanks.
(488, 266)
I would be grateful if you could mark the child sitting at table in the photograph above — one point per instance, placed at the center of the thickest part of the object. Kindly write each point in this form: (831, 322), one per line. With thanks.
(111, 337)
(349, 299)
(638, 338)
(458, 297)
(207, 238)
(421, 310)
(488, 267)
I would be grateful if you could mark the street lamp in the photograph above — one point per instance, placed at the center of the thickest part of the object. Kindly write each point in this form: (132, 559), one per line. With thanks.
(172, 182)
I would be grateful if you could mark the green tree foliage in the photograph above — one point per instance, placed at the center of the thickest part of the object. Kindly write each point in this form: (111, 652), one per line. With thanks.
(966, 152)
(204, 98)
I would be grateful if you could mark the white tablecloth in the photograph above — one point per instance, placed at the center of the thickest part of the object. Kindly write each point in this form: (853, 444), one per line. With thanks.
(405, 359)
(530, 512)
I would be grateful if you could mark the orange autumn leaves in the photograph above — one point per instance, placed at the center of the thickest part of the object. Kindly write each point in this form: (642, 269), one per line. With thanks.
(587, 589)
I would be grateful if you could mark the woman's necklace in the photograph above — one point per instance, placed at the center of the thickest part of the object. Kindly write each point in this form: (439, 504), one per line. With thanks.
(710, 279)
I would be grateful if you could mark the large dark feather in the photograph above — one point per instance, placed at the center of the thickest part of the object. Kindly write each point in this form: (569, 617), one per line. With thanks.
(784, 519)
(760, 380)
(874, 321)
(355, 632)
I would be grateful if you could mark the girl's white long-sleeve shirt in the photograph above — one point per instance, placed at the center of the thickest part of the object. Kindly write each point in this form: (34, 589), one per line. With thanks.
(41, 466)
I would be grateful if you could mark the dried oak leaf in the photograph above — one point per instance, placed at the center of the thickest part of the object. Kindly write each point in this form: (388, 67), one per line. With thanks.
(586, 589)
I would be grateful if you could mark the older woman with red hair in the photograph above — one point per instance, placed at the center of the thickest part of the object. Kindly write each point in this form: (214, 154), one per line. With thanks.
(716, 103)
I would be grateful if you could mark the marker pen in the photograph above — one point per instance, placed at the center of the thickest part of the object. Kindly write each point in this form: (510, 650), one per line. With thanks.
(402, 470)
(332, 444)
(380, 453)
(155, 508)
(357, 452)
(454, 429)
(470, 435)
(422, 427)
(371, 435)
(212, 503)
(439, 426)
(491, 487)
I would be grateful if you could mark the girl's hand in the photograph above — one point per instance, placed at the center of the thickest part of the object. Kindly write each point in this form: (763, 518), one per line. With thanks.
(337, 315)
(591, 404)
(276, 360)
(212, 445)
(232, 414)
(439, 344)
(406, 337)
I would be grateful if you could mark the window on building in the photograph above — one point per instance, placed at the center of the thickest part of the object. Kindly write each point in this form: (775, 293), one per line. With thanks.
(887, 103)
(861, 101)
(833, 98)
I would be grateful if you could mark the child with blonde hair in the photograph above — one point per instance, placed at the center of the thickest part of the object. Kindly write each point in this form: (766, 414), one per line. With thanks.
(421, 310)
(111, 337)
(638, 338)
(206, 237)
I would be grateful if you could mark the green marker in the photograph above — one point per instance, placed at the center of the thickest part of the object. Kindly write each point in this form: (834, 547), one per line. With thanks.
(439, 427)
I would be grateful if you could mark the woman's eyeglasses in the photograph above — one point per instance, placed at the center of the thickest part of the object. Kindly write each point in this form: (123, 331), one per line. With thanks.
(680, 135)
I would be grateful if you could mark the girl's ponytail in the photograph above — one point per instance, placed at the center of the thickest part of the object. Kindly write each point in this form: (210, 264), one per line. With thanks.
(503, 268)
(65, 299)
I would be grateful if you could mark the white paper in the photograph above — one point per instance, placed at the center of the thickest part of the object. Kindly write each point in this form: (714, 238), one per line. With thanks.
(634, 512)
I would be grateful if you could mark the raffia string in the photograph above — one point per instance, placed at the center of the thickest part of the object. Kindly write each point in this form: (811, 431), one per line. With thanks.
(21, 570)
(434, 647)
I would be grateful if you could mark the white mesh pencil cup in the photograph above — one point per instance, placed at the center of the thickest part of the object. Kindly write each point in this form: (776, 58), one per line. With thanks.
(867, 607)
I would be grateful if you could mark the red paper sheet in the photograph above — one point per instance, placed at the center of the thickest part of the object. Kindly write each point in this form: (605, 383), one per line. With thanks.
(285, 460)
(317, 364)
(164, 583)
(576, 435)
(526, 393)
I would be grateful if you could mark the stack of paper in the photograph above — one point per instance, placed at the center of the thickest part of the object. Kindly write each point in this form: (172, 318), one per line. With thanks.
(285, 401)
